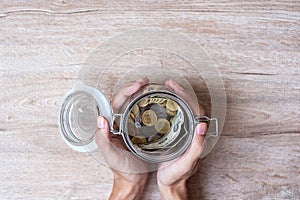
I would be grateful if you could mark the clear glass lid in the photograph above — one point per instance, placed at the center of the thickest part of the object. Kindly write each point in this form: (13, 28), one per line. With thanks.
(78, 116)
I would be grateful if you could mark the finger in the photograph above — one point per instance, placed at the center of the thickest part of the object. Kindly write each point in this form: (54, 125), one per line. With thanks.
(103, 140)
(143, 81)
(103, 129)
(174, 86)
(179, 90)
(127, 91)
(132, 87)
(184, 94)
(197, 144)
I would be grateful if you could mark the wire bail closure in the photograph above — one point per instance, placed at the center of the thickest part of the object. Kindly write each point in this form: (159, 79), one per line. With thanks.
(117, 119)
(207, 120)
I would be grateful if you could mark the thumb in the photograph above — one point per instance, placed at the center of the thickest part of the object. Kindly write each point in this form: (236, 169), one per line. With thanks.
(200, 131)
(103, 129)
(197, 143)
(103, 140)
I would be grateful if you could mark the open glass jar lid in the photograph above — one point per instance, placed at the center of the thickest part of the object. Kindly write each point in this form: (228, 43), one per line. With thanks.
(156, 123)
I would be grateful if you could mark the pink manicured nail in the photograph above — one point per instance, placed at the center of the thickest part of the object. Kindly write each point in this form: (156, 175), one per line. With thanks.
(101, 122)
(200, 130)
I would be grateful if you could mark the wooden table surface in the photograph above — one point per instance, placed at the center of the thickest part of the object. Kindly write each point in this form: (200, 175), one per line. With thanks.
(255, 45)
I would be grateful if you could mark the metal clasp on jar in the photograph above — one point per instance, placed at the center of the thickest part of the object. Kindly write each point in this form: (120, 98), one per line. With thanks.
(208, 120)
(117, 120)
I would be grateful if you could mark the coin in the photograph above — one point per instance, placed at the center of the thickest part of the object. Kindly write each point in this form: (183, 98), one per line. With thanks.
(157, 100)
(171, 105)
(149, 118)
(143, 103)
(171, 113)
(135, 110)
(138, 140)
(159, 111)
(132, 115)
(163, 104)
(162, 125)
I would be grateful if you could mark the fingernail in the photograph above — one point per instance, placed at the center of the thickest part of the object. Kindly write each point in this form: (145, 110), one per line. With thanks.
(200, 130)
(101, 122)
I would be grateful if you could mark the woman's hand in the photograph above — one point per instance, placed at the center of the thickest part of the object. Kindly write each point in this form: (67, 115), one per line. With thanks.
(130, 173)
(173, 175)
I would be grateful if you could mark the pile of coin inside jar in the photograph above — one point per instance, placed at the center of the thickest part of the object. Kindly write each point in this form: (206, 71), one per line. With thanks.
(151, 122)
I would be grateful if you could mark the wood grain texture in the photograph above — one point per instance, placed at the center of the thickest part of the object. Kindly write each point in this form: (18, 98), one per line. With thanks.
(255, 44)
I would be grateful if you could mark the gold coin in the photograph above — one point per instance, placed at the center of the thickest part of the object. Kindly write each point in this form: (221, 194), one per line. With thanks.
(172, 105)
(164, 103)
(135, 110)
(171, 113)
(131, 127)
(143, 102)
(162, 125)
(132, 115)
(149, 118)
(138, 140)
(156, 100)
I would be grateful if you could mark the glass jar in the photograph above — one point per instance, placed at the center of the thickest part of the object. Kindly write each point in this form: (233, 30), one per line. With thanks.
(155, 123)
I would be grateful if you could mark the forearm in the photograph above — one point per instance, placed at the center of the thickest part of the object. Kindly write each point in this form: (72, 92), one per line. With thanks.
(177, 191)
(123, 189)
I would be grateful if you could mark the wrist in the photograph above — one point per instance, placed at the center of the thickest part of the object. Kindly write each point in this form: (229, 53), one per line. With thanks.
(176, 191)
(123, 189)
